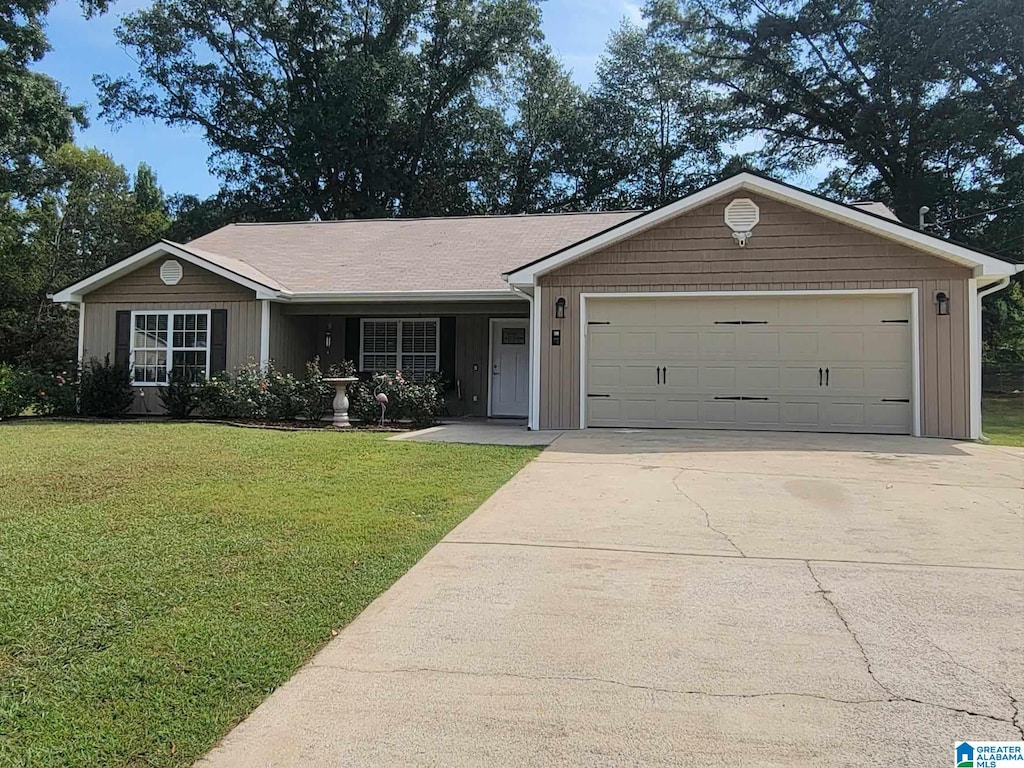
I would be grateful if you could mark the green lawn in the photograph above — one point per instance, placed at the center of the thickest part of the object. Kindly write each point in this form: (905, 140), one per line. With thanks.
(1002, 419)
(157, 581)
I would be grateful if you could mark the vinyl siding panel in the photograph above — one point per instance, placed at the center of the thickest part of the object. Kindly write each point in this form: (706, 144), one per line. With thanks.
(243, 335)
(145, 285)
(792, 250)
(292, 340)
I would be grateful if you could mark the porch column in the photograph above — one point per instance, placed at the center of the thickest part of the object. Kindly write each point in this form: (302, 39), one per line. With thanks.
(533, 422)
(265, 334)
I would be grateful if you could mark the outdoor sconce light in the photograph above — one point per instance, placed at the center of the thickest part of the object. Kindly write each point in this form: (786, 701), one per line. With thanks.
(327, 337)
(942, 303)
(560, 307)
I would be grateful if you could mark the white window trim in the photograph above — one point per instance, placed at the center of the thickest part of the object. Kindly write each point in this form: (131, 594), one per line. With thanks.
(398, 353)
(170, 342)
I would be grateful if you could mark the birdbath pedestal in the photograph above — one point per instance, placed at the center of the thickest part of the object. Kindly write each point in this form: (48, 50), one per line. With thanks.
(340, 403)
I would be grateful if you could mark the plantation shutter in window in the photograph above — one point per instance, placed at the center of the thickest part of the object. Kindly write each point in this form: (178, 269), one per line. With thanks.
(218, 341)
(122, 337)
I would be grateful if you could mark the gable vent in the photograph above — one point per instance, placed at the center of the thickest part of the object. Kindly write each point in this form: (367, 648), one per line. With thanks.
(742, 214)
(171, 272)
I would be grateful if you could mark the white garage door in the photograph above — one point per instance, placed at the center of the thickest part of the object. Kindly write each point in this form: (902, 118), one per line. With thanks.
(817, 364)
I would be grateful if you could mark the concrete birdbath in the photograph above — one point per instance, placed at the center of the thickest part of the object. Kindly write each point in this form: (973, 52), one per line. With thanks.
(340, 403)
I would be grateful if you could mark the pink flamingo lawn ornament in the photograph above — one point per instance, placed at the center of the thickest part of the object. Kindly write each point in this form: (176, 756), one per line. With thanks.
(381, 398)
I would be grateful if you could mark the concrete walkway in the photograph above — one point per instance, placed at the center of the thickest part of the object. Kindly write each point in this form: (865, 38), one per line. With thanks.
(480, 432)
(687, 598)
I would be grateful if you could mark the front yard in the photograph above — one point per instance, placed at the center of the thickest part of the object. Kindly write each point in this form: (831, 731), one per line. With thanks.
(1003, 419)
(157, 581)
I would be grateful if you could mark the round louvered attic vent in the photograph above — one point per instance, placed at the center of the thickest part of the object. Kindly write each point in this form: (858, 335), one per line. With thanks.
(741, 216)
(170, 272)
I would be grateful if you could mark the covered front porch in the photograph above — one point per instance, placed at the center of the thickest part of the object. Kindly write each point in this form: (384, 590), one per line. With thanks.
(480, 349)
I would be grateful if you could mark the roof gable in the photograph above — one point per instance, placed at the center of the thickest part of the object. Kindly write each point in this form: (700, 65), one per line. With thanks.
(858, 218)
(230, 269)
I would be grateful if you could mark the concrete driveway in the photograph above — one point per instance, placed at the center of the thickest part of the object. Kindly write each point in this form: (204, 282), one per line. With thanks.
(688, 598)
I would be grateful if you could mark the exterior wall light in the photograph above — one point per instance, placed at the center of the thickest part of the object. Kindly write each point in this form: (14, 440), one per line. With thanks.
(560, 307)
(942, 303)
(327, 337)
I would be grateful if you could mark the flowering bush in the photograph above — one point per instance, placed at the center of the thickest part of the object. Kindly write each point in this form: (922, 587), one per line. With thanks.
(420, 404)
(42, 393)
(269, 395)
(55, 395)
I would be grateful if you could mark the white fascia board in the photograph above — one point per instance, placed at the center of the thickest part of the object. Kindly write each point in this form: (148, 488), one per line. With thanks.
(73, 294)
(979, 262)
(498, 294)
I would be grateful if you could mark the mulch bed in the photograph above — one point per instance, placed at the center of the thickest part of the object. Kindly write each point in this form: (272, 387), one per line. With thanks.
(282, 426)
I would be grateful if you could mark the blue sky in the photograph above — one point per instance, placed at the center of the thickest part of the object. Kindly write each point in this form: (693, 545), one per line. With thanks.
(575, 29)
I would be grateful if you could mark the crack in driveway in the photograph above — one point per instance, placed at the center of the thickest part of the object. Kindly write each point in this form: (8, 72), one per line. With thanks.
(702, 508)
(889, 699)
(892, 695)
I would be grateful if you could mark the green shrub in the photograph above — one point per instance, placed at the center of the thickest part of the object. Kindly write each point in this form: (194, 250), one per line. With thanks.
(179, 397)
(14, 391)
(420, 404)
(55, 394)
(269, 395)
(314, 394)
(105, 389)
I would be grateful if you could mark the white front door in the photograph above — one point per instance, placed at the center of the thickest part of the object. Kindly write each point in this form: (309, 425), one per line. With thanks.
(510, 368)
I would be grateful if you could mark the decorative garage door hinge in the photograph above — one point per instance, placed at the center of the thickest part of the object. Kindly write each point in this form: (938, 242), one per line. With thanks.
(895, 399)
(599, 322)
(741, 322)
(589, 395)
(741, 397)
(896, 321)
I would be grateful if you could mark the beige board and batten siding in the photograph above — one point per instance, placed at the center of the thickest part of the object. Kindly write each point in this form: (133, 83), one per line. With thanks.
(791, 250)
(143, 290)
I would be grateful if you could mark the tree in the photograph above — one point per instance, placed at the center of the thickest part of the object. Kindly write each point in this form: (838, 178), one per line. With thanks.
(865, 86)
(323, 108)
(529, 155)
(89, 216)
(656, 120)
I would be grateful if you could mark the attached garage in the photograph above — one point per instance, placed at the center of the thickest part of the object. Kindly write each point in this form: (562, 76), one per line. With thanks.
(755, 305)
(835, 363)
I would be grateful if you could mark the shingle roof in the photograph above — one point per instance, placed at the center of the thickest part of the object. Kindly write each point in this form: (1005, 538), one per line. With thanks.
(437, 254)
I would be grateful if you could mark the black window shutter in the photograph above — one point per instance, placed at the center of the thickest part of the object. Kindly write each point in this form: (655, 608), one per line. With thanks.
(218, 341)
(122, 337)
(447, 348)
(352, 340)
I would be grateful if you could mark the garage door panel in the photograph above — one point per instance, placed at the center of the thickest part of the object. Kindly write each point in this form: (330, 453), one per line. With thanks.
(677, 343)
(679, 412)
(799, 345)
(888, 381)
(718, 413)
(723, 368)
(759, 415)
(717, 377)
(717, 342)
(758, 378)
(797, 414)
(797, 377)
(685, 377)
